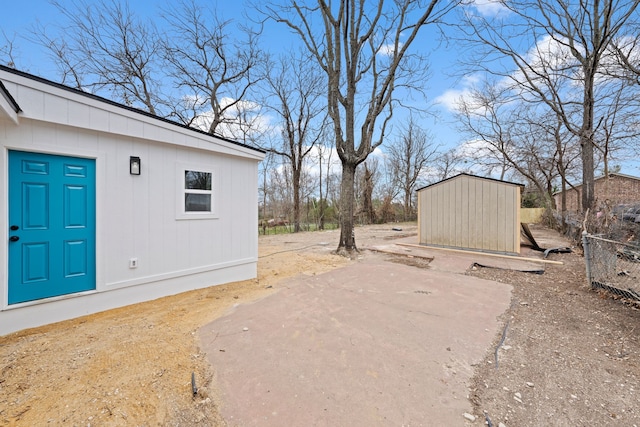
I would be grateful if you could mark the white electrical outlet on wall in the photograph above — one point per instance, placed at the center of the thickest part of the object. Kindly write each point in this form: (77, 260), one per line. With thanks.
(133, 263)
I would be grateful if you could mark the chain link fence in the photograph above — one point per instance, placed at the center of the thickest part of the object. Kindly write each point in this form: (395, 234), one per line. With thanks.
(613, 266)
(284, 227)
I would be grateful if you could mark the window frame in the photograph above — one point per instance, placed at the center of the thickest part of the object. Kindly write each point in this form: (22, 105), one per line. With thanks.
(181, 212)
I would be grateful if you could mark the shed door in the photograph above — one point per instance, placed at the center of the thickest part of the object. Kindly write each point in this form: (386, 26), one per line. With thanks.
(51, 226)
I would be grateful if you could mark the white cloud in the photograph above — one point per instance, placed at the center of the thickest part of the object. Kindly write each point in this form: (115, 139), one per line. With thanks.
(329, 157)
(490, 7)
(547, 54)
(550, 52)
(243, 120)
(475, 149)
(239, 107)
(551, 62)
(377, 152)
(450, 99)
(482, 156)
(388, 49)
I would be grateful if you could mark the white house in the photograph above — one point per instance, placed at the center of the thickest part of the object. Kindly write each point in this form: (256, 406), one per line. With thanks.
(103, 205)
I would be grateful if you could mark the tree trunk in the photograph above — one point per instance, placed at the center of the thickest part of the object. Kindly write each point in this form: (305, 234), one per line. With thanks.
(549, 196)
(296, 200)
(563, 202)
(321, 205)
(347, 239)
(407, 205)
(586, 142)
(264, 202)
(369, 212)
(588, 197)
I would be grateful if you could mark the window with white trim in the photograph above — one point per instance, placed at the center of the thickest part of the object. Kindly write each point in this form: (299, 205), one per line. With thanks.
(197, 191)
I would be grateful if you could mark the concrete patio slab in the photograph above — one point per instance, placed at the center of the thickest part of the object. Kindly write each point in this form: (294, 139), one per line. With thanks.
(461, 261)
(371, 344)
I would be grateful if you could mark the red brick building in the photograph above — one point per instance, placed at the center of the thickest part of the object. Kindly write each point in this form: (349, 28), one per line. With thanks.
(617, 189)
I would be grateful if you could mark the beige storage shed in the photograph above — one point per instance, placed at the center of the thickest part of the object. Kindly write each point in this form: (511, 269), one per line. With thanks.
(470, 212)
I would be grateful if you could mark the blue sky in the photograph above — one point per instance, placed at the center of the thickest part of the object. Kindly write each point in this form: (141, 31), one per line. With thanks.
(19, 17)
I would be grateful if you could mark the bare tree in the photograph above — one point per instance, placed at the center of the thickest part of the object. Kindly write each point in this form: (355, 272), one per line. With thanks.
(485, 115)
(446, 165)
(363, 50)
(408, 157)
(627, 54)
(618, 130)
(516, 137)
(244, 122)
(105, 47)
(280, 192)
(216, 70)
(387, 185)
(571, 40)
(544, 152)
(324, 154)
(263, 189)
(368, 180)
(8, 50)
(295, 94)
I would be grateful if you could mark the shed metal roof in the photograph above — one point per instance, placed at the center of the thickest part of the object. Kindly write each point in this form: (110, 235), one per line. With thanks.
(471, 176)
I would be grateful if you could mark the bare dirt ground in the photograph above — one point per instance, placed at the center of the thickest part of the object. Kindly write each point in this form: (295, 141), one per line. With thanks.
(133, 365)
(570, 356)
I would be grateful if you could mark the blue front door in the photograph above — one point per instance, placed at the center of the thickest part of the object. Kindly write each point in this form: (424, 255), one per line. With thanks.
(52, 223)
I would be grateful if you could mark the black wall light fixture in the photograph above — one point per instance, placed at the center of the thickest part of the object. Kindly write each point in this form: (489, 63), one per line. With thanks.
(134, 165)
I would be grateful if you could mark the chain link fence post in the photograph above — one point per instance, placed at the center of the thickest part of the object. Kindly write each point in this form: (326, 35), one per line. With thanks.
(587, 257)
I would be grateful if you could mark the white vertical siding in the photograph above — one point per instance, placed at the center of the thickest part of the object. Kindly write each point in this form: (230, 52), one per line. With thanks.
(136, 215)
(139, 212)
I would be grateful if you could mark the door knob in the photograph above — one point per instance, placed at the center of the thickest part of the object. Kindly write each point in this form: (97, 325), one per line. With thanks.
(14, 238)
(14, 227)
